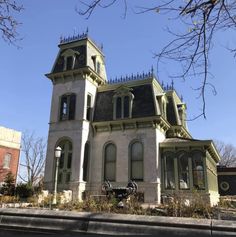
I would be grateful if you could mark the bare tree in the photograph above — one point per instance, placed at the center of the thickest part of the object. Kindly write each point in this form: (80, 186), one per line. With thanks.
(201, 20)
(227, 152)
(32, 158)
(8, 23)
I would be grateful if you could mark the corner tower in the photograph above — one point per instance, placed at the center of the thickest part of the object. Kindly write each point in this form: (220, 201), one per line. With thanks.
(78, 71)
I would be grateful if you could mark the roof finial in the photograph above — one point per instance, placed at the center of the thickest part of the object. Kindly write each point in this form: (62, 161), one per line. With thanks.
(102, 46)
(172, 85)
(87, 30)
(152, 70)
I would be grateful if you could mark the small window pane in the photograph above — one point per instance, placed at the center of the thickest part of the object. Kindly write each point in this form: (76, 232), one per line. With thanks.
(64, 108)
(169, 171)
(67, 177)
(72, 107)
(86, 162)
(61, 160)
(183, 171)
(98, 67)
(60, 177)
(69, 160)
(137, 151)
(126, 107)
(137, 161)
(69, 63)
(110, 153)
(118, 108)
(110, 171)
(198, 170)
(110, 162)
(89, 101)
(137, 170)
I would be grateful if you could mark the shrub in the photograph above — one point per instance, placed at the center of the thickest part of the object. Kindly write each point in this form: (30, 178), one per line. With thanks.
(196, 208)
(8, 199)
(23, 190)
(8, 187)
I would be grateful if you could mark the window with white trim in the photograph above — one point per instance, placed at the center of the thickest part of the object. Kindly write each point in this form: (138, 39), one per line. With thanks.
(136, 161)
(7, 161)
(65, 162)
(67, 107)
(198, 170)
(183, 168)
(122, 103)
(110, 162)
(168, 163)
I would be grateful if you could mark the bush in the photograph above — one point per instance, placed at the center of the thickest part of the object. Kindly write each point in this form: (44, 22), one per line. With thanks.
(196, 208)
(24, 190)
(8, 187)
(8, 199)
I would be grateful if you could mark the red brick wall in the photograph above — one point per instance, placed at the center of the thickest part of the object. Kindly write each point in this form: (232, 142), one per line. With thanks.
(15, 153)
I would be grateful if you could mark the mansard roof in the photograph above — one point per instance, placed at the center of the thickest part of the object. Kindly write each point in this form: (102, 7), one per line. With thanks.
(145, 89)
(143, 103)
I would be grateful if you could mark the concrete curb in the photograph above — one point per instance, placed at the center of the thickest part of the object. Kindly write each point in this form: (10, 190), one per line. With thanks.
(112, 224)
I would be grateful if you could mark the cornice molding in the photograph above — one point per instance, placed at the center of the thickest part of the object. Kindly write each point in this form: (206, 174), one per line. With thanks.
(76, 74)
(156, 122)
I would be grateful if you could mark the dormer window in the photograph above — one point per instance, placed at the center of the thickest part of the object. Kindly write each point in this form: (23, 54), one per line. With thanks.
(69, 59)
(96, 64)
(67, 107)
(69, 63)
(122, 103)
(182, 113)
(161, 105)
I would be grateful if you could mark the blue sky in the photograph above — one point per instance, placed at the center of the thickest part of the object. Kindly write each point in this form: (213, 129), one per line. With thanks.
(129, 45)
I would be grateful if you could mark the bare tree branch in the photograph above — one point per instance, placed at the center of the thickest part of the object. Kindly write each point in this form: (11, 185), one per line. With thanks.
(34, 149)
(227, 152)
(201, 21)
(8, 23)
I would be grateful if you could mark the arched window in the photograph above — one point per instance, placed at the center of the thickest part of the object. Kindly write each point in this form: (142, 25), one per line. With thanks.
(86, 162)
(110, 162)
(136, 161)
(122, 103)
(65, 161)
(67, 108)
(183, 170)
(198, 170)
(169, 170)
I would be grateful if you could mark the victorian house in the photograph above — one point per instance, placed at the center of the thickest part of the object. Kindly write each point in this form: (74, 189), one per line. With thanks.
(131, 128)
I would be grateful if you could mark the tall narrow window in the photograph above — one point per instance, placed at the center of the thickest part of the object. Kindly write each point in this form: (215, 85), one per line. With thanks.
(98, 67)
(122, 103)
(169, 170)
(7, 161)
(110, 162)
(69, 63)
(126, 106)
(89, 109)
(183, 170)
(118, 107)
(67, 109)
(198, 170)
(86, 162)
(136, 167)
(65, 162)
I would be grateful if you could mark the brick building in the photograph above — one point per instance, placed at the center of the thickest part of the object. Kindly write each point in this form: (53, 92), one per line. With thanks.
(9, 152)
